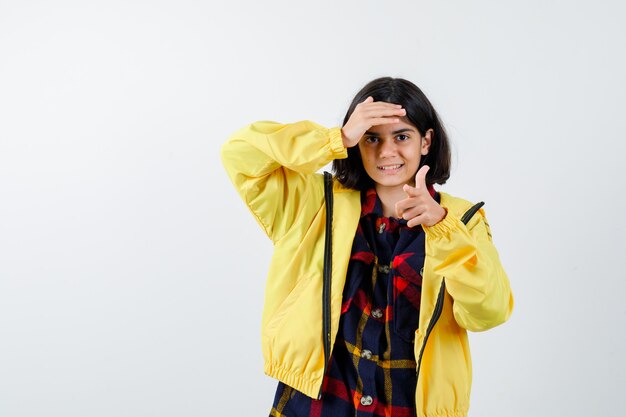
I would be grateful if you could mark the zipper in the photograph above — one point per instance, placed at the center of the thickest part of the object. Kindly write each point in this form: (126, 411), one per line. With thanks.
(433, 320)
(328, 196)
(469, 213)
(442, 290)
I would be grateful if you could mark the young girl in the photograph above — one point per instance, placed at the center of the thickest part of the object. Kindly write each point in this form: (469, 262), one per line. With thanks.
(373, 283)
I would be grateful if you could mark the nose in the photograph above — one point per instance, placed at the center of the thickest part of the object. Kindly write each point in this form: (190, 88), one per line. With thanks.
(387, 149)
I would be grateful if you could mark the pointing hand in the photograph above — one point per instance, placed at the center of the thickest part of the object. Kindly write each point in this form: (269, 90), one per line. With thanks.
(419, 207)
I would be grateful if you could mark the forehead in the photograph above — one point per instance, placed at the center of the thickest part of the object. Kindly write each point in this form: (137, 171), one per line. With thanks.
(388, 129)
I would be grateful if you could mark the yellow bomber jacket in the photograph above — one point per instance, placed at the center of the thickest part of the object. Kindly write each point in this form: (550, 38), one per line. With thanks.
(464, 287)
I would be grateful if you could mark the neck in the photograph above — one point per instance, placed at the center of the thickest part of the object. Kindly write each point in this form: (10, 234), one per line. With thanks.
(389, 196)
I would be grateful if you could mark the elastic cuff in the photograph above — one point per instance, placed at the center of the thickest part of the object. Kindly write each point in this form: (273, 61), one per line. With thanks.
(336, 143)
(443, 228)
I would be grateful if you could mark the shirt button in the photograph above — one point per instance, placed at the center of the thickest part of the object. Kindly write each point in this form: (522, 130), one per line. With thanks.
(377, 313)
(384, 269)
(367, 354)
(366, 400)
(422, 271)
(381, 228)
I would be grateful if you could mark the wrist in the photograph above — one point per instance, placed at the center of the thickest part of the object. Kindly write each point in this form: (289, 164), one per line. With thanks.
(443, 212)
(346, 142)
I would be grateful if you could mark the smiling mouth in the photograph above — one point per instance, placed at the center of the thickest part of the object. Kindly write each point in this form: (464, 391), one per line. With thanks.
(390, 167)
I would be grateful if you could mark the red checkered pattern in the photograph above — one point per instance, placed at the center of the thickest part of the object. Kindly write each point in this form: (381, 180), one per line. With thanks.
(372, 369)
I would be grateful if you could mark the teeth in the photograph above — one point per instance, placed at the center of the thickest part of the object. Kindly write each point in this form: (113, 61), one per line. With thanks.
(390, 167)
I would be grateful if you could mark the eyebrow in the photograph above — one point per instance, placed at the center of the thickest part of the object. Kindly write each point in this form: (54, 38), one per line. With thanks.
(395, 132)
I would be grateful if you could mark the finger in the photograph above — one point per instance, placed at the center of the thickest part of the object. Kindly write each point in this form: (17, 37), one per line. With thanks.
(379, 105)
(383, 121)
(384, 111)
(369, 99)
(389, 104)
(403, 205)
(411, 205)
(420, 177)
(415, 221)
(413, 212)
(410, 191)
(372, 103)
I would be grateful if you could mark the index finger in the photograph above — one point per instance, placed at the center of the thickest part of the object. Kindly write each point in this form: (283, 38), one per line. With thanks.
(371, 102)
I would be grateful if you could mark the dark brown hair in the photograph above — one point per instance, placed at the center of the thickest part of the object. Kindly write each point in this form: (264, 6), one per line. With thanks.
(419, 112)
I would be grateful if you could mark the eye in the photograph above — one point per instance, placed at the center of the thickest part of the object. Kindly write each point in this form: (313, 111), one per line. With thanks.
(402, 138)
(371, 139)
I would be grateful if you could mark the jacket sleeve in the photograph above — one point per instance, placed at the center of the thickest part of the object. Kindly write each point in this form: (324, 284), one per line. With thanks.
(475, 278)
(271, 166)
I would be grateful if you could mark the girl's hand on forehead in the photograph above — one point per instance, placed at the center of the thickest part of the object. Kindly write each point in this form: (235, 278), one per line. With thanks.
(419, 207)
(367, 114)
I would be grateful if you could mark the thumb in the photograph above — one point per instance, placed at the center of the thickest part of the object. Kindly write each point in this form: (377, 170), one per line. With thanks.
(420, 177)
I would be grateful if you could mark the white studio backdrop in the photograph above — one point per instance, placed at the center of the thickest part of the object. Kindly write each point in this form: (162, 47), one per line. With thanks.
(132, 276)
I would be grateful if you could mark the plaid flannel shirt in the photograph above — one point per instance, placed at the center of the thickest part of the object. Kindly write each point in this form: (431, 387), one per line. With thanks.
(372, 369)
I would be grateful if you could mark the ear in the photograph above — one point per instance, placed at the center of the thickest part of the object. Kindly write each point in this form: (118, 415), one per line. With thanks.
(426, 141)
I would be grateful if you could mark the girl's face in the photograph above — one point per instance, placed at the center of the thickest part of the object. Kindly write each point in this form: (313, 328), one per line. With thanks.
(391, 153)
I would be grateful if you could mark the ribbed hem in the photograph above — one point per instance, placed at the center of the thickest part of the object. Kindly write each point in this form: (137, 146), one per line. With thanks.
(456, 413)
(336, 143)
(297, 381)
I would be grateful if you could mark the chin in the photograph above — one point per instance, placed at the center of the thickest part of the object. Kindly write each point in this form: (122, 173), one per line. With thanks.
(391, 182)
